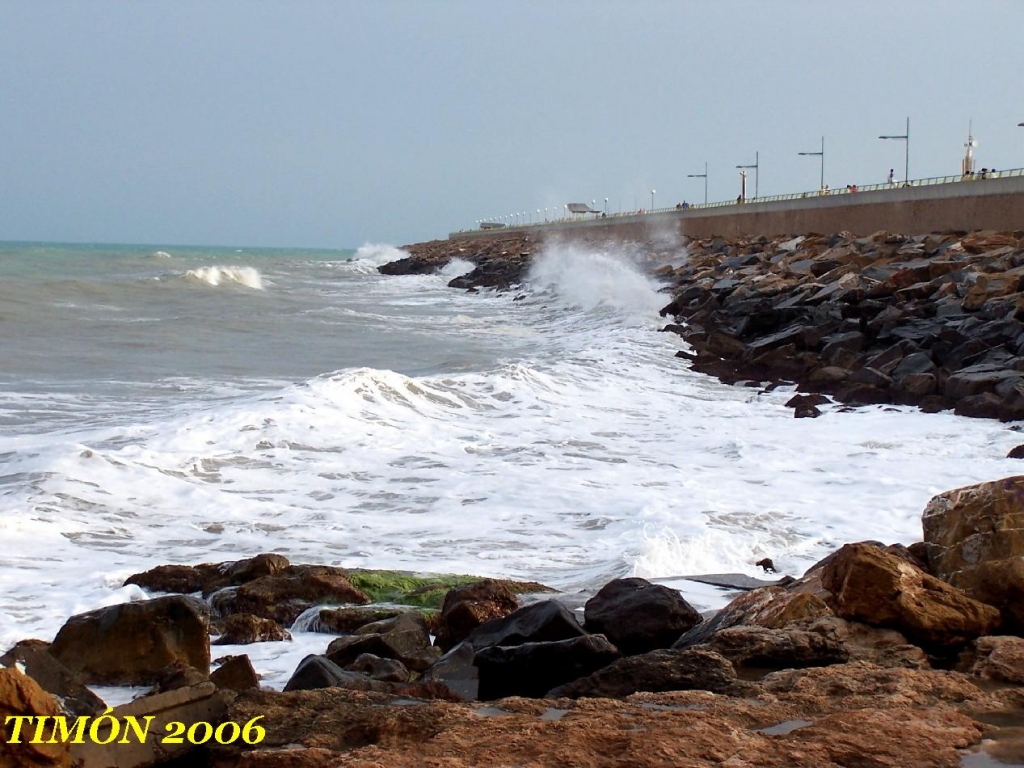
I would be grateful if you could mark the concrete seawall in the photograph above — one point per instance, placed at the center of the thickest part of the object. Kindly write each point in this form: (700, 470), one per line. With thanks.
(996, 204)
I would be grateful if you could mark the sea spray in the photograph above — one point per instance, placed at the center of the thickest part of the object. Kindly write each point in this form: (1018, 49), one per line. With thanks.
(589, 278)
(379, 253)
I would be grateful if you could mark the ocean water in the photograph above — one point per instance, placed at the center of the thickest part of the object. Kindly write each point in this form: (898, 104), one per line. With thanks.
(182, 405)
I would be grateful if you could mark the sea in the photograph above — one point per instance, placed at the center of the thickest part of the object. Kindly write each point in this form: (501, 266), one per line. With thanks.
(168, 404)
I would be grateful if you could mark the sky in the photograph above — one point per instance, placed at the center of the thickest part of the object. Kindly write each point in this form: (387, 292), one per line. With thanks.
(333, 124)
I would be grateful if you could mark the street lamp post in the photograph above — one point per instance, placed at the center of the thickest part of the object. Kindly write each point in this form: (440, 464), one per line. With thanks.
(701, 176)
(606, 206)
(906, 163)
(822, 156)
(757, 172)
(652, 199)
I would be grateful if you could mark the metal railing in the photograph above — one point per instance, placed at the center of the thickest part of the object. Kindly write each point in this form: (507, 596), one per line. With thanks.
(851, 190)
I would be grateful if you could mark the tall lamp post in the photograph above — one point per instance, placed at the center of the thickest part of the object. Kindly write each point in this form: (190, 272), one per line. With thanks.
(757, 172)
(906, 163)
(701, 176)
(652, 199)
(822, 156)
(606, 206)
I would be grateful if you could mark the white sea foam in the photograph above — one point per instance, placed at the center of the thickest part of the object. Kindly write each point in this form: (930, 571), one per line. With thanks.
(221, 275)
(457, 268)
(161, 255)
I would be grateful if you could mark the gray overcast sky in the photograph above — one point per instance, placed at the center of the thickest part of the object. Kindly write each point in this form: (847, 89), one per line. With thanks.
(336, 123)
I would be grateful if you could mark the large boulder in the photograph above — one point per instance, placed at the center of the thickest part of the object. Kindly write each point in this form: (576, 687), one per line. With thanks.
(467, 607)
(132, 643)
(883, 590)
(662, 670)
(21, 696)
(638, 616)
(533, 669)
(975, 540)
(541, 622)
(286, 594)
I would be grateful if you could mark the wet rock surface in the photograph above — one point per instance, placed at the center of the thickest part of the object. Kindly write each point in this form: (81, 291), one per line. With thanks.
(132, 643)
(638, 616)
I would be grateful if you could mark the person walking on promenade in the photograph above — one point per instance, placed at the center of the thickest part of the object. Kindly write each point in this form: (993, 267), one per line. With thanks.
(892, 177)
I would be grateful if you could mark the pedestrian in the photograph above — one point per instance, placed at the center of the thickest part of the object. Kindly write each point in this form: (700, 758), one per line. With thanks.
(892, 176)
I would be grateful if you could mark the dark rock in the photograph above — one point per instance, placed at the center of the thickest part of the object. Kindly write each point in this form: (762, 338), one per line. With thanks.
(386, 670)
(131, 643)
(533, 669)
(466, 608)
(177, 675)
(976, 380)
(863, 395)
(345, 620)
(456, 671)
(318, 672)
(244, 628)
(53, 677)
(983, 406)
(638, 616)
(766, 565)
(235, 674)
(410, 646)
(656, 671)
(541, 622)
(1015, 453)
(871, 377)
(798, 400)
(806, 412)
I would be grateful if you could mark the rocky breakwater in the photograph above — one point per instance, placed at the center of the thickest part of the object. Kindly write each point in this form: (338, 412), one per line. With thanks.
(878, 655)
(935, 321)
(499, 262)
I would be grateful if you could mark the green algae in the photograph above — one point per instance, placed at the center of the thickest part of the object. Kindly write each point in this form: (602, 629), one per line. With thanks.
(422, 590)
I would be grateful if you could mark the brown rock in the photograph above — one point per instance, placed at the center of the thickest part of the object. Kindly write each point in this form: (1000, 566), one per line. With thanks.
(235, 674)
(244, 628)
(207, 577)
(467, 607)
(131, 643)
(763, 649)
(975, 538)
(999, 658)
(880, 589)
(20, 696)
(770, 607)
(282, 597)
(883, 647)
(346, 620)
(55, 678)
